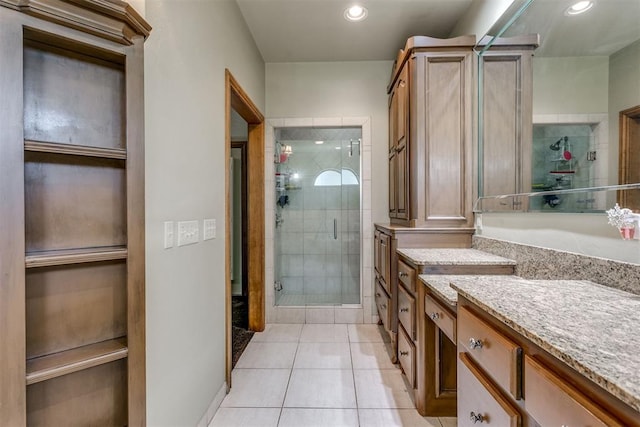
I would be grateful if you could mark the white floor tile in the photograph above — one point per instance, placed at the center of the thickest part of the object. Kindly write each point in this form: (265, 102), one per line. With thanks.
(367, 333)
(262, 388)
(296, 417)
(278, 333)
(320, 388)
(395, 418)
(381, 389)
(324, 333)
(246, 417)
(366, 355)
(320, 315)
(326, 355)
(268, 355)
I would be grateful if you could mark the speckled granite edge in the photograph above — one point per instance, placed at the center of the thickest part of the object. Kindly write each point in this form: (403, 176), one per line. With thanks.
(533, 322)
(439, 285)
(453, 256)
(533, 262)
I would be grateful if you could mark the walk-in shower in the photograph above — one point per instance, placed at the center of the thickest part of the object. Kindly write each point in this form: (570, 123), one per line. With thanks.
(317, 242)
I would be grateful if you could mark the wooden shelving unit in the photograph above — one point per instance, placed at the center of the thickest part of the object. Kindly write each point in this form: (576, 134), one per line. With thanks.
(72, 185)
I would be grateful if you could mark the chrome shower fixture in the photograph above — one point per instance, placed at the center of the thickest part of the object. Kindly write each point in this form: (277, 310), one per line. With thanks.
(556, 145)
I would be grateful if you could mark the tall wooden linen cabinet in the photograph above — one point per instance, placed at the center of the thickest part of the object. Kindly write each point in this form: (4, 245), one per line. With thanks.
(431, 120)
(72, 318)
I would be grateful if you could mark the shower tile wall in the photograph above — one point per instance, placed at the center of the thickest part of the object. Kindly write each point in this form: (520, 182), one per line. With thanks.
(314, 265)
(581, 140)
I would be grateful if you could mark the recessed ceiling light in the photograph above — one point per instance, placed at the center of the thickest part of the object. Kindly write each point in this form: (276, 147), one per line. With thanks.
(355, 13)
(319, 142)
(579, 7)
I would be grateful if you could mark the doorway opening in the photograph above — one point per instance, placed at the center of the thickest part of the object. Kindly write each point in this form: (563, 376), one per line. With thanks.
(253, 234)
(629, 164)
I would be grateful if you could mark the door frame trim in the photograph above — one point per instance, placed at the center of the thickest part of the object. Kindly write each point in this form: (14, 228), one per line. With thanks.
(237, 99)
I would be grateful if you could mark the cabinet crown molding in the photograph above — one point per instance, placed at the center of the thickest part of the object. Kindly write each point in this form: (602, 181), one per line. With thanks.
(425, 42)
(113, 20)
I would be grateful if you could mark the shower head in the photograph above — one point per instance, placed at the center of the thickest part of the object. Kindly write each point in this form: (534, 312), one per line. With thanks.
(556, 145)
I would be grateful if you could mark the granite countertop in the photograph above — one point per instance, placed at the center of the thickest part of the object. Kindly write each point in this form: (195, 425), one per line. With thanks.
(439, 285)
(592, 328)
(453, 257)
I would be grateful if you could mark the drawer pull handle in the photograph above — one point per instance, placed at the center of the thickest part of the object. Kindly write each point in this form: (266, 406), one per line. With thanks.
(403, 274)
(435, 316)
(475, 418)
(404, 310)
(404, 353)
(474, 343)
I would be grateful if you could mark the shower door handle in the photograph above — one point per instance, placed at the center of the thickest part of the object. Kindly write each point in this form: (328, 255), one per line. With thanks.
(335, 228)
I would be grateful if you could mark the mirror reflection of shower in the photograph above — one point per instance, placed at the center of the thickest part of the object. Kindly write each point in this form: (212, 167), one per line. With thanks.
(317, 230)
(564, 158)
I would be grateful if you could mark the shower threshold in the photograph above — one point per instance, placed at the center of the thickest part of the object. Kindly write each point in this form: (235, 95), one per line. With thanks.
(302, 300)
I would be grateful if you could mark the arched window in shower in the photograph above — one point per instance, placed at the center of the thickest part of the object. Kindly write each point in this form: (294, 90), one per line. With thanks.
(317, 235)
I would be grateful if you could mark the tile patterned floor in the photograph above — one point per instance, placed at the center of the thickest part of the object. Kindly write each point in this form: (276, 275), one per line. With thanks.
(319, 375)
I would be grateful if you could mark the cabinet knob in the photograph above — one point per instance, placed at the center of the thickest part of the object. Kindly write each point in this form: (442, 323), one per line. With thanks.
(475, 418)
(404, 310)
(384, 306)
(474, 343)
(378, 294)
(404, 353)
(403, 274)
(435, 316)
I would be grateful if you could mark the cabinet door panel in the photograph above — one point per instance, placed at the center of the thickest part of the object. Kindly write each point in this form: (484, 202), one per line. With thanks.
(480, 401)
(407, 355)
(552, 401)
(496, 354)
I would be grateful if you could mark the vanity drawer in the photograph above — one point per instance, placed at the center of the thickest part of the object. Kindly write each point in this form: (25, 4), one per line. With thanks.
(441, 317)
(552, 401)
(407, 356)
(480, 401)
(406, 312)
(383, 303)
(500, 357)
(406, 275)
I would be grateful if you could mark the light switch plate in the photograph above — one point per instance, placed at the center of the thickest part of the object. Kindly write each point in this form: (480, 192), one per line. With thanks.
(209, 226)
(168, 234)
(188, 233)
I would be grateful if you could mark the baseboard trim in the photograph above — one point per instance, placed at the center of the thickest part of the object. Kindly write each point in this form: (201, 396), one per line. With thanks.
(213, 407)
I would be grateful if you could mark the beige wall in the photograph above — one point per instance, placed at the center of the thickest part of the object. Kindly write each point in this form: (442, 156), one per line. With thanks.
(338, 89)
(624, 93)
(571, 85)
(185, 58)
(480, 17)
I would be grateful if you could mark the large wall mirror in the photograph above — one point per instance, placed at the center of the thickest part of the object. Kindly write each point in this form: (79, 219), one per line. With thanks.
(586, 100)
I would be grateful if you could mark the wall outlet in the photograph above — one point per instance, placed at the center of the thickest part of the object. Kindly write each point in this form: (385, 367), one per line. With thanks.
(209, 227)
(188, 233)
(168, 234)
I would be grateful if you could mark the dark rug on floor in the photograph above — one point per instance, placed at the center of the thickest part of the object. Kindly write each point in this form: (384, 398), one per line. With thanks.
(241, 338)
(240, 335)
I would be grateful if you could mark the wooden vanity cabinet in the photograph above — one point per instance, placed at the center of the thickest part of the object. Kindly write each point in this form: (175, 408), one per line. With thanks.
(504, 376)
(72, 305)
(431, 131)
(439, 338)
(434, 370)
(388, 238)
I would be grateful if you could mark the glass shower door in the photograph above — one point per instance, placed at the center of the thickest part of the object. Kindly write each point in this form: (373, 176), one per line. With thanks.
(350, 227)
(317, 233)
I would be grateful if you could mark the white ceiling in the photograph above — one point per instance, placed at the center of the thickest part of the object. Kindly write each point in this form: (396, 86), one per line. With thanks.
(315, 30)
(608, 27)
